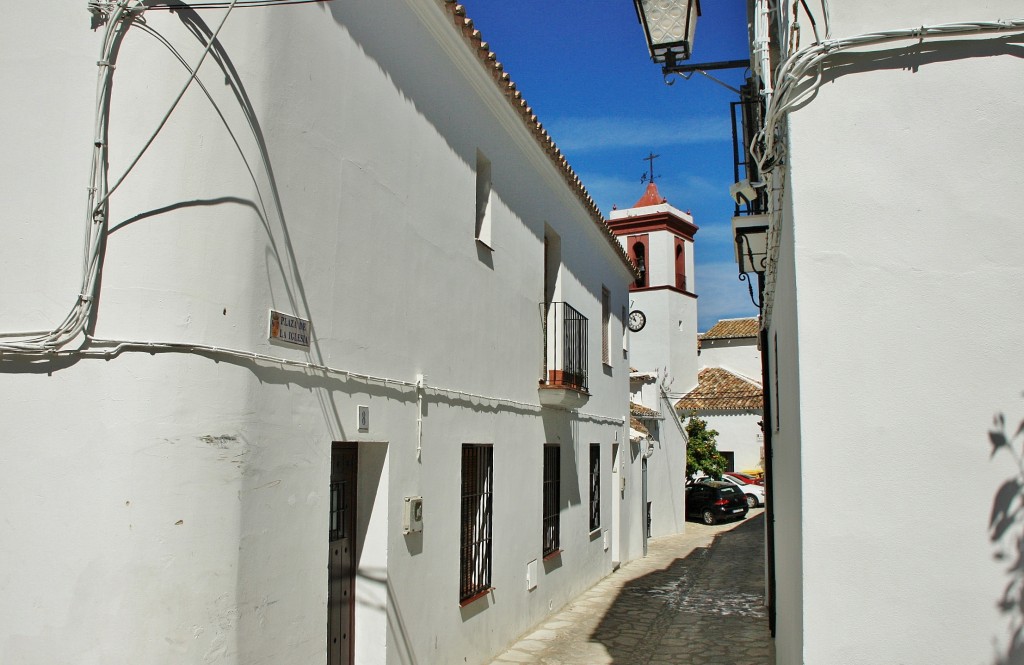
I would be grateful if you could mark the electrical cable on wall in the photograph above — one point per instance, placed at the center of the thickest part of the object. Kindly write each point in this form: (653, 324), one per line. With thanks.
(118, 17)
(796, 81)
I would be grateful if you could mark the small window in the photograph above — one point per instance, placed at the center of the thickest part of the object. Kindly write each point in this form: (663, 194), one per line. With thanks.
(680, 264)
(483, 199)
(636, 247)
(606, 326)
(595, 486)
(625, 335)
(477, 500)
(552, 497)
(640, 258)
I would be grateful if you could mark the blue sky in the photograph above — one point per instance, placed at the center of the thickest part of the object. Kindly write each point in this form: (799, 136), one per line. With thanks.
(585, 70)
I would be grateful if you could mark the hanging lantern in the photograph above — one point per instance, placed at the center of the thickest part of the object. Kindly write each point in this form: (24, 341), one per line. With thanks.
(669, 26)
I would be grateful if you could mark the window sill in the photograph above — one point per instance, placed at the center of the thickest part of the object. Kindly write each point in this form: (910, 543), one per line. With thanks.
(552, 555)
(478, 596)
(484, 244)
(595, 533)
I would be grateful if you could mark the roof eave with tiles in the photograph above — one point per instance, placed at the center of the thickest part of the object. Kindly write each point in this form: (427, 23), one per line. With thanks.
(719, 389)
(641, 411)
(733, 329)
(507, 86)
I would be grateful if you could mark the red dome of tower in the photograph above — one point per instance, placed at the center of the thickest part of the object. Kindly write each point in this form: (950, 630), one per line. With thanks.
(651, 197)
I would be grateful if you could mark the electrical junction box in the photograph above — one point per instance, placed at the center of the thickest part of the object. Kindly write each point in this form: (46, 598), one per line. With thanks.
(412, 515)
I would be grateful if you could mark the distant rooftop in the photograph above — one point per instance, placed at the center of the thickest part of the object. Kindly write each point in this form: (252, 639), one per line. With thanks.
(641, 411)
(638, 427)
(719, 389)
(733, 328)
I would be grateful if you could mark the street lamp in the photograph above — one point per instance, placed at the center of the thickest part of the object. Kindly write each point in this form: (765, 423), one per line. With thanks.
(669, 26)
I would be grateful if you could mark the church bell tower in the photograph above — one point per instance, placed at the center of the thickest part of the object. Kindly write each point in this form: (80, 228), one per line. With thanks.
(662, 316)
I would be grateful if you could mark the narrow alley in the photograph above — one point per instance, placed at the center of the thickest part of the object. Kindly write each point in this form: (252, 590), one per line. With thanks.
(695, 598)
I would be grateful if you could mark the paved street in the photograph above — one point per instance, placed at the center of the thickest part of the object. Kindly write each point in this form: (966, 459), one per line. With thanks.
(695, 598)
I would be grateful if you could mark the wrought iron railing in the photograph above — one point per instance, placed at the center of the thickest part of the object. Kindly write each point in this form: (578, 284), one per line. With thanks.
(746, 120)
(565, 346)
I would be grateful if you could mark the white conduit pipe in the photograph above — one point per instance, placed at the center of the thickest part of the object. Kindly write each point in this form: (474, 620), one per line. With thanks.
(112, 348)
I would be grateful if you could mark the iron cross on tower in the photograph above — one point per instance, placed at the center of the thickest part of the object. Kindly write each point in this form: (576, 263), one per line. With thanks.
(650, 174)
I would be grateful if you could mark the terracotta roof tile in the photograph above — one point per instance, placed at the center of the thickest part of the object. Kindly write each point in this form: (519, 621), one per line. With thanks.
(639, 426)
(641, 411)
(732, 328)
(720, 390)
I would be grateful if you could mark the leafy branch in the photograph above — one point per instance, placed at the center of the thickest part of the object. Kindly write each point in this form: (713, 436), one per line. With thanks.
(1006, 531)
(702, 454)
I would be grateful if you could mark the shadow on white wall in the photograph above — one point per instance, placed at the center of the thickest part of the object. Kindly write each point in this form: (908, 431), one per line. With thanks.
(1006, 531)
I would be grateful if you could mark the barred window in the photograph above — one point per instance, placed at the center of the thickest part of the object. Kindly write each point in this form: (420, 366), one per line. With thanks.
(595, 486)
(477, 499)
(552, 497)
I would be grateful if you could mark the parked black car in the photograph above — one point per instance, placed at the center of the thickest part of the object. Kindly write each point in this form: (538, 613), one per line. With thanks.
(713, 501)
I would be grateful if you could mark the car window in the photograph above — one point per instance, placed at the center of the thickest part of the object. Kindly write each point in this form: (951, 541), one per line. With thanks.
(729, 490)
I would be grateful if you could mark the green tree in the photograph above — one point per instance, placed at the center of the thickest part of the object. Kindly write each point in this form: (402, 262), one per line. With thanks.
(702, 449)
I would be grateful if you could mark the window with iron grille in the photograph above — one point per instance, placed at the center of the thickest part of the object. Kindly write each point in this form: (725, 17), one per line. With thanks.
(595, 486)
(477, 499)
(552, 497)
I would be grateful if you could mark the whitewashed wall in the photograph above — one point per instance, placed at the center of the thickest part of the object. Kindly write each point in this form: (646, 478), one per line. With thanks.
(896, 311)
(668, 343)
(172, 507)
(739, 433)
(739, 355)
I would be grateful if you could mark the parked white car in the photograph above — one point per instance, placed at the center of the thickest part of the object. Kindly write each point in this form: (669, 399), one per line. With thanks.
(754, 493)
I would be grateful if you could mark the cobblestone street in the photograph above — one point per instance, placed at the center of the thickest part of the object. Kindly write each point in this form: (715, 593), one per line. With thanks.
(695, 598)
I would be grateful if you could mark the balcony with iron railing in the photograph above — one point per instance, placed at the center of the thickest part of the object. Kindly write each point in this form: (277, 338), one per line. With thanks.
(564, 380)
(750, 218)
(746, 115)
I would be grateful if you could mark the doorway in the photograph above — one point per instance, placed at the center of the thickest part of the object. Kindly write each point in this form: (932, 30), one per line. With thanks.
(645, 506)
(341, 567)
(619, 486)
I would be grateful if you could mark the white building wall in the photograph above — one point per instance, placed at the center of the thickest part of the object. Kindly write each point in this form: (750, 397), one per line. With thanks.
(738, 433)
(739, 355)
(666, 477)
(902, 250)
(172, 507)
(663, 259)
(668, 343)
(787, 475)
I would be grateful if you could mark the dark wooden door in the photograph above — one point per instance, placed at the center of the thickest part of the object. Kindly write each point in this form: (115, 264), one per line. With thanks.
(342, 561)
